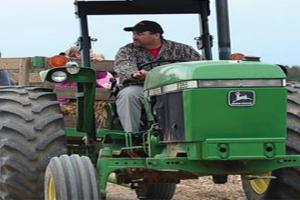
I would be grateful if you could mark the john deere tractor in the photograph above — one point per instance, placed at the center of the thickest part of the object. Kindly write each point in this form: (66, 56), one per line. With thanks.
(215, 118)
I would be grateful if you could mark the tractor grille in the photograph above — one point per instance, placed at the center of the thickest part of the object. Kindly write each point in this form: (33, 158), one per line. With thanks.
(170, 116)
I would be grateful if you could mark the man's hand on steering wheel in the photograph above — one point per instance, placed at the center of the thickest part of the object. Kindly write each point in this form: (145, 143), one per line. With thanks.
(141, 74)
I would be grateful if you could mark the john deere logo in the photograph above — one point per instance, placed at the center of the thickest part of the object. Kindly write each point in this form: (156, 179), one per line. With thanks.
(241, 98)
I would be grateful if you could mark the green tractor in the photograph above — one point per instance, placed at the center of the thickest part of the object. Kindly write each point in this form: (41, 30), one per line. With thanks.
(215, 118)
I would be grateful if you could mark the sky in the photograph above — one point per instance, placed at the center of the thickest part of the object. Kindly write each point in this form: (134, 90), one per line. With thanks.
(266, 28)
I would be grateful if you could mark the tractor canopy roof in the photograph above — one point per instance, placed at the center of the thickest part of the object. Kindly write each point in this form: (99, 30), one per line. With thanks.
(115, 7)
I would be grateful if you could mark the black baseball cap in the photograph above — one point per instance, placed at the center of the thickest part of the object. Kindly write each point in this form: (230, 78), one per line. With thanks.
(146, 26)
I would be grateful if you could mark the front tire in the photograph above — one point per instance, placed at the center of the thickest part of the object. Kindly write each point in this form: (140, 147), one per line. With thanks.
(71, 177)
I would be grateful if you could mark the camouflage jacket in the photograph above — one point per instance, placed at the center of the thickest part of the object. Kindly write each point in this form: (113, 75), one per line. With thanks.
(130, 57)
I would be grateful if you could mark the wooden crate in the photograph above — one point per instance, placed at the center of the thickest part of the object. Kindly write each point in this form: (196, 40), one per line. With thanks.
(24, 72)
(19, 69)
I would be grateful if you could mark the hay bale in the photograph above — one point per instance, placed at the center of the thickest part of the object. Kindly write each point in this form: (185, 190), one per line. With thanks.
(101, 114)
(69, 111)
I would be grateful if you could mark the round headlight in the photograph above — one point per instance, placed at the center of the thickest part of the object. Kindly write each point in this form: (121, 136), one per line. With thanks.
(59, 76)
(72, 67)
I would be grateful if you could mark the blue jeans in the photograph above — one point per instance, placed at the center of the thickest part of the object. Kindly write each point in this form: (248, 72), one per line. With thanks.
(129, 107)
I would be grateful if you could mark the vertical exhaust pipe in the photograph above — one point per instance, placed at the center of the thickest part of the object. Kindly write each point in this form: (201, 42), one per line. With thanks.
(223, 29)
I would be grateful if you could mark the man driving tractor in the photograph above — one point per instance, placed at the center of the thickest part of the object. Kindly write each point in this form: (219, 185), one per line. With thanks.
(148, 46)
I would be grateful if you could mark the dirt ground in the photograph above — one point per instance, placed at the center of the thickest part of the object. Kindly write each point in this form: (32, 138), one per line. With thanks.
(201, 189)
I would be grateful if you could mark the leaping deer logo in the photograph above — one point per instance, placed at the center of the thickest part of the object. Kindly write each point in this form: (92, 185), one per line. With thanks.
(239, 97)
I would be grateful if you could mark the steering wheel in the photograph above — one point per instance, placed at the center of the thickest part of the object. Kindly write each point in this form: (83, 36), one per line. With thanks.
(151, 64)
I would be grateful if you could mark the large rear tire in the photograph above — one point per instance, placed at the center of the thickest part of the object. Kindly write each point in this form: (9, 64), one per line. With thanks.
(157, 191)
(71, 177)
(31, 132)
(287, 184)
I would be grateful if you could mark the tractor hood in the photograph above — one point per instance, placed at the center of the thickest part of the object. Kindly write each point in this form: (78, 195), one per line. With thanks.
(211, 70)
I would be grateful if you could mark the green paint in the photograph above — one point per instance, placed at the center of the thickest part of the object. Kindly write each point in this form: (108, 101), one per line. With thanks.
(219, 138)
(86, 89)
(105, 166)
(211, 70)
(38, 62)
(209, 119)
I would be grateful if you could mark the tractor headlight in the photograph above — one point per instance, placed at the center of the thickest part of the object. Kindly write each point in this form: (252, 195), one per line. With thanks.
(72, 67)
(59, 76)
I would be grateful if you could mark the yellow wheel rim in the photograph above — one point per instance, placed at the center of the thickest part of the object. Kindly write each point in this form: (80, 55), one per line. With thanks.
(260, 186)
(51, 189)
